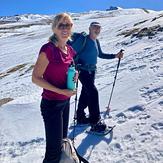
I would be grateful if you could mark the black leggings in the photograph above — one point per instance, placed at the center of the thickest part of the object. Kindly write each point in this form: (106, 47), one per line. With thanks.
(88, 97)
(56, 116)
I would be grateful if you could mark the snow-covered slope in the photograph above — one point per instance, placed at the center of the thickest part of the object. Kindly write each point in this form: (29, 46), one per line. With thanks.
(25, 18)
(137, 104)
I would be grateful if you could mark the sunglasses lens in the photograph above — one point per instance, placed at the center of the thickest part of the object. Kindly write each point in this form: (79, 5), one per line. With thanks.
(64, 26)
(96, 26)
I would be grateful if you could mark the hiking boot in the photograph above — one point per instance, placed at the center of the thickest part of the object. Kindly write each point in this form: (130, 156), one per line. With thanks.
(83, 121)
(98, 127)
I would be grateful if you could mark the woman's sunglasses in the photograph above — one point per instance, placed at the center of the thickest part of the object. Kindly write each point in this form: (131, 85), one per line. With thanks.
(62, 26)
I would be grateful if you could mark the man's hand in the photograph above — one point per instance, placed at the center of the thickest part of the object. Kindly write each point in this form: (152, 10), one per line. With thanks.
(120, 54)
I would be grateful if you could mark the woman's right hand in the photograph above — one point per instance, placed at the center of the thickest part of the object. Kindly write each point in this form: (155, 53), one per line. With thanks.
(68, 92)
(76, 76)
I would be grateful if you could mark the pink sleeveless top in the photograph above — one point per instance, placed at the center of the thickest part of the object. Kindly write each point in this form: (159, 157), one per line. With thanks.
(56, 71)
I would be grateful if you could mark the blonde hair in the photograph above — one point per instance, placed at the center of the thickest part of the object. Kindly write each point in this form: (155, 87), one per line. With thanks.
(60, 17)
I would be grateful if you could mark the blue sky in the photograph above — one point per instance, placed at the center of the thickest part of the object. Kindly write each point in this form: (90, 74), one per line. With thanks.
(13, 7)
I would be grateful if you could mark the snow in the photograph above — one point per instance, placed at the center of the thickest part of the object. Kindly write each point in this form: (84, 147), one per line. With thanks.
(136, 106)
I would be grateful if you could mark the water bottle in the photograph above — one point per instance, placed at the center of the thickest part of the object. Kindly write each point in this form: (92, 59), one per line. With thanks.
(70, 77)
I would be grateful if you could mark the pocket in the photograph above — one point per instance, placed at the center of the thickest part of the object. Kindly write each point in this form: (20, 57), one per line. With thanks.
(53, 104)
(51, 108)
(45, 103)
(46, 107)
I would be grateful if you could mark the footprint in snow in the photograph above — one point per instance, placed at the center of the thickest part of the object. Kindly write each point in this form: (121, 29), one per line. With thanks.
(151, 94)
(144, 89)
(146, 133)
(137, 68)
(161, 103)
(121, 118)
(144, 116)
(136, 109)
(160, 75)
(16, 149)
(158, 126)
(116, 147)
(128, 138)
(154, 68)
(144, 137)
(130, 113)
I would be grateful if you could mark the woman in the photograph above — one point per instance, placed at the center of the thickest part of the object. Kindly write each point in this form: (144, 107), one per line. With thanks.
(50, 73)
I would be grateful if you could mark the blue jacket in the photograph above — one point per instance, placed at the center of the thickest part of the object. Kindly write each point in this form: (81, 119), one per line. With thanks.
(88, 53)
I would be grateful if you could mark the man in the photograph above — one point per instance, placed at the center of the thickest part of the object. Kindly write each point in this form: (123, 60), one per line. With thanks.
(87, 59)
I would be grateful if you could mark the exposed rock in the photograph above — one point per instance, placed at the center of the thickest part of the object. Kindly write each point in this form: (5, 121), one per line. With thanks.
(144, 32)
(5, 100)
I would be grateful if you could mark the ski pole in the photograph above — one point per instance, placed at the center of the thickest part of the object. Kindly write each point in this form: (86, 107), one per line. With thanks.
(76, 98)
(115, 77)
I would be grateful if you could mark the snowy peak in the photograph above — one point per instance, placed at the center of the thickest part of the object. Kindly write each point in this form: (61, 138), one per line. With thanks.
(26, 18)
(112, 11)
(113, 8)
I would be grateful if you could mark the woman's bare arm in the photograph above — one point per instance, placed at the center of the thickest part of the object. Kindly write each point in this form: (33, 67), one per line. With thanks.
(37, 76)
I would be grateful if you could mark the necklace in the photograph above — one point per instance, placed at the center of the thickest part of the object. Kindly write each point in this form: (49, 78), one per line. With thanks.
(63, 49)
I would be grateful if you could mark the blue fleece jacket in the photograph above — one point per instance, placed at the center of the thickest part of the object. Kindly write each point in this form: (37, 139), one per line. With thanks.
(91, 50)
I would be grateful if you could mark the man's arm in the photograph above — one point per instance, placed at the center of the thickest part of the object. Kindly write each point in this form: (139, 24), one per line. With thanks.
(104, 55)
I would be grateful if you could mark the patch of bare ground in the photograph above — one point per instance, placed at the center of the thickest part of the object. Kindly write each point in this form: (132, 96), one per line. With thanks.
(144, 32)
(12, 70)
(28, 70)
(5, 100)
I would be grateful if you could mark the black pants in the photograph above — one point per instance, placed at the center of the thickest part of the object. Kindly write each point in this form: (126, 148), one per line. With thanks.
(56, 117)
(88, 97)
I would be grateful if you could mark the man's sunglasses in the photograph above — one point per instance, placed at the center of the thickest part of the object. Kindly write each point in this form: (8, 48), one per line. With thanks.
(62, 26)
(96, 26)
